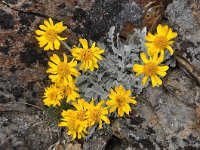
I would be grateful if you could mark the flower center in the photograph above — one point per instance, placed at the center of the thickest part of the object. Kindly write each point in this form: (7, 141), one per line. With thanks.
(71, 124)
(81, 115)
(150, 69)
(67, 90)
(120, 101)
(86, 54)
(51, 35)
(53, 95)
(161, 42)
(96, 114)
(63, 69)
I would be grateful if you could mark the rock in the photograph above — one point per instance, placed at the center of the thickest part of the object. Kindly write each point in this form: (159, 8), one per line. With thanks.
(98, 141)
(180, 14)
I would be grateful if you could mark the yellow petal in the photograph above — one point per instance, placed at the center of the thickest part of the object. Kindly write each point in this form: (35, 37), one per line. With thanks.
(162, 31)
(43, 27)
(158, 80)
(105, 119)
(65, 57)
(160, 58)
(39, 32)
(47, 23)
(84, 43)
(150, 37)
(56, 44)
(170, 50)
(51, 22)
(163, 68)
(161, 73)
(120, 112)
(149, 44)
(55, 59)
(153, 81)
(61, 38)
(144, 80)
(171, 35)
(144, 58)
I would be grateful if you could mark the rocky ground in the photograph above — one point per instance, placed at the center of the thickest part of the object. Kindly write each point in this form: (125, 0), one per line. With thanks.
(166, 118)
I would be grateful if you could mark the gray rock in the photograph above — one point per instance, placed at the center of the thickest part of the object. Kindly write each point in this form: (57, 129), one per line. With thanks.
(180, 14)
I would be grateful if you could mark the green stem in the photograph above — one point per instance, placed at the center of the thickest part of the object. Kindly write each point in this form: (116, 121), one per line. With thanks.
(67, 46)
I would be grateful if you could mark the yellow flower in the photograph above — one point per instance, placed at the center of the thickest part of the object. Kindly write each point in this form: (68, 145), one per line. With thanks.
(62, 70)
(69, 90)
(95, 114)
(88, 56)
(72, 125)
(81, 113)
(161, 40)
(48, 35)
(120, 99)
(151, 68)
(75, 120)
(52, 96)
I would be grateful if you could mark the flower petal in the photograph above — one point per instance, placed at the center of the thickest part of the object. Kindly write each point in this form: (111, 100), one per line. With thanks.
(144, 58)
(144, 80)
(84, 43)
(56, 44)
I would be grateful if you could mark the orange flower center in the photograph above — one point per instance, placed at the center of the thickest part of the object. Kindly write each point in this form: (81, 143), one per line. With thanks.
(150, 69)
(53, 95)
(161, 42)
(63, 69)
(71, 124)
(86, 54)
(67, 90)
(51, 35)
(120, 101)
(81, 115)
(95, 114)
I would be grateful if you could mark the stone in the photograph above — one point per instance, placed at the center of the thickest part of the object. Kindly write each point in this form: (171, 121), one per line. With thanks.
(180, 15)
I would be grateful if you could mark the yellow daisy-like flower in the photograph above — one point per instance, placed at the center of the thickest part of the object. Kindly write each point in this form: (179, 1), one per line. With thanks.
(95, 114)
(52, 96)
(73, 127)
(75, 120)
(48, 35)
(151, 68)
(120, 99)
(88, 56)
(81, 113)
(69, 90)
(161, 40)
(62, 70)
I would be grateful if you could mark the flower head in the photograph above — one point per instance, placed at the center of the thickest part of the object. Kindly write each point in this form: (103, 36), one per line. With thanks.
(75, 120)
(69, 90)
(97, 113)
(81, 110)
(120, 99)
(52, 96)
(88, 56)
(48, 35)
(73, 127)
(161, 40)
(151, 68)
(62, 70)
